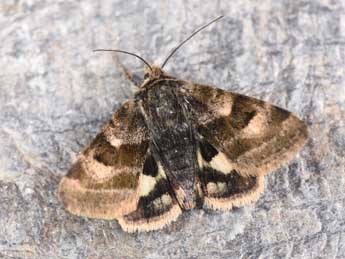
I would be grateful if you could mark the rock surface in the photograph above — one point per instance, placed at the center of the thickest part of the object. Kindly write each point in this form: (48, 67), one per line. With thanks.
(55, 94)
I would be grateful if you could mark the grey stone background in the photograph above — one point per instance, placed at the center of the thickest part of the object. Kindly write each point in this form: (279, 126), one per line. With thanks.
(55, 94)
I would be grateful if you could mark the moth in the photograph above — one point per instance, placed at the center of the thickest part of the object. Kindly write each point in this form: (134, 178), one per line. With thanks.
(176, 146)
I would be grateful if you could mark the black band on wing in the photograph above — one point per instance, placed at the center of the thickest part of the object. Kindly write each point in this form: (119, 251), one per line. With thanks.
(153, 204)
(242, 111)
(225, 185)
(207, 150)
(150, 166)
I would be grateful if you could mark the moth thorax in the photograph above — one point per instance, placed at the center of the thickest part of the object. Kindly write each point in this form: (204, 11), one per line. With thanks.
(163, 107)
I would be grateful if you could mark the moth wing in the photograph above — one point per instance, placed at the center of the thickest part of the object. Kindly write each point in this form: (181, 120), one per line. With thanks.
(241, 140)
(221, 186)
(102, 182)
(156, 205)
(256, 137)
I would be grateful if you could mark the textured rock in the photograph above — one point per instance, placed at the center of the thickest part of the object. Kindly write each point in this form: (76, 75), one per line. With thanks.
(55, 94)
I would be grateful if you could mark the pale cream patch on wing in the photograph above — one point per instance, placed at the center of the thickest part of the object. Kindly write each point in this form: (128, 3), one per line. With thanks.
(224, 109)
(221, 163)
(201, 161)
(100, 172)
(256, 127)
(218, 187)
(166, 199)
(212, 188)
(161, 173)
(115, 142)
(222, 187)
(146, 184)
(163, 201)
(157, 203)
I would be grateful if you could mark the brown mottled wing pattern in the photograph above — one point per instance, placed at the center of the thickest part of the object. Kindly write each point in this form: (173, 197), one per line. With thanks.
(241, 140)
(103, 181)
(117, 177)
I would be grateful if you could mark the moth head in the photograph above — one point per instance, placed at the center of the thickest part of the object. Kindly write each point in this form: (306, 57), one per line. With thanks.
(153, 72)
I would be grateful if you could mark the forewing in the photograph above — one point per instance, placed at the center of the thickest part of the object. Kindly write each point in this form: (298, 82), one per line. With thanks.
(102, 183)
(241, 139)
(255, 136)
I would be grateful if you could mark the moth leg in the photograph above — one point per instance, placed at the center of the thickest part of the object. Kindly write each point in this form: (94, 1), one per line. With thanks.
(156, 205)
(135, 79)
(224, 187)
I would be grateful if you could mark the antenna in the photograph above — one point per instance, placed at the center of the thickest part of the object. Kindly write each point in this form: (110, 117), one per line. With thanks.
(126, 52)
(191, 36)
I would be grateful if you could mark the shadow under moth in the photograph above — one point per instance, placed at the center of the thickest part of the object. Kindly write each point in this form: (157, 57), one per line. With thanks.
(176, 146)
